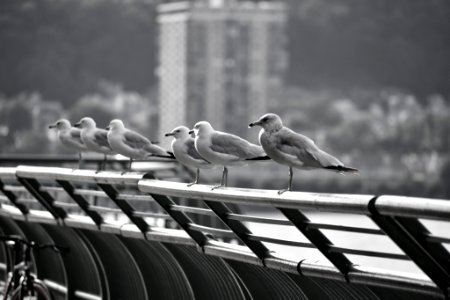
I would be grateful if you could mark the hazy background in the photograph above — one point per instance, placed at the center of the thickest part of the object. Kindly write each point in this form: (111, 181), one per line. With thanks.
(369, 81)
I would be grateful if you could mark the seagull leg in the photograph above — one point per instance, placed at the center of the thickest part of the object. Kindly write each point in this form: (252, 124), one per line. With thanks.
(196, 178)
(291, 173)
(79, 160)
(102, 165)
(129, 167)
(223, 180)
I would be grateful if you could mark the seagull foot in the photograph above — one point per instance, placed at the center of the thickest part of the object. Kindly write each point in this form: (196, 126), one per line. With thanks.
(283, 190)
(217, 187)
(123, 173)
(191, 184)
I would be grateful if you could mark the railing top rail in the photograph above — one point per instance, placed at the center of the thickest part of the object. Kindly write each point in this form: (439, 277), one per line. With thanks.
(413, 207)
(7, 173)
(344, 203)
(50, 173)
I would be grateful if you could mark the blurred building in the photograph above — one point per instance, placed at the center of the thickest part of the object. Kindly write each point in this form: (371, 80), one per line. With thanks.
(220, 61)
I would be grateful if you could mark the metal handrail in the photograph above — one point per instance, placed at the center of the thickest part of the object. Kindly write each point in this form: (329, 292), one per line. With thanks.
(396, 217)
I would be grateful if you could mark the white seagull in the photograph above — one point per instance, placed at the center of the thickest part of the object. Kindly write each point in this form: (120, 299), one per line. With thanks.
(293, 149)
(94, 138)
(183, 148)
(69, 137)
(132, 144)
(224, 149)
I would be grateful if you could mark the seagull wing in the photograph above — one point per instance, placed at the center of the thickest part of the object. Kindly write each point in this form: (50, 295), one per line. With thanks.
(233, 145)
(135, 140)
(75, 134)
(101, 138)
(303, 148)
(191, 151)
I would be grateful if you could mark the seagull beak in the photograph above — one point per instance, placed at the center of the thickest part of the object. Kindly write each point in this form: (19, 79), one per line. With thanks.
(191, 131)
(253, 124)
(169, 134)
(78, 125)
(108, 127)
(52, 126)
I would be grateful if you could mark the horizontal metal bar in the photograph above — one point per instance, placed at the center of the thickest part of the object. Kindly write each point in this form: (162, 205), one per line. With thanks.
(369, 253)
(86, 296)
(267, 239)
(51, 189)
(255, 219)
(212, 230)
(65, 204)
(345, 228)
(151, 215)
(84, 192)
(54, 286)
(104, 209)
(130, 197)
(27, 201)
(193, 210)
(388, 279)
(438, 239)
(296, 200)
(400, 206)
(14, 188)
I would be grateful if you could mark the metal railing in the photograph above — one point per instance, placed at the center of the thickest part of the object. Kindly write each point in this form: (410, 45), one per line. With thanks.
(146, 206)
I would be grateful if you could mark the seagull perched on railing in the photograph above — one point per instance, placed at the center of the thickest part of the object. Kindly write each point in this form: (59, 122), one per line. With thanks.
(95, 139)
(183, 147)
(224, 149)
(293, 149)
(132, 144)
(69, 137)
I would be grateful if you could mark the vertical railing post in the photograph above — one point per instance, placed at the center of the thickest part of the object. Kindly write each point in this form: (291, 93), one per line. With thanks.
(81, 201)
(318, 239)
(13, 198)
(126, 208)
(44, 198)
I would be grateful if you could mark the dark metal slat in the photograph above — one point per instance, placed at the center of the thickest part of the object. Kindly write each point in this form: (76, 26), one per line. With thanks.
(33, 187)
(179, 217)
(406, 241)
(13, 198)
(222, 211)
(126, 208)
(317, 238)
(82, 203)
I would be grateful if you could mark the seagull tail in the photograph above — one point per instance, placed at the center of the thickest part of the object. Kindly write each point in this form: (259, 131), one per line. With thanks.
(265, 157)
(169, 155)
(341, 169)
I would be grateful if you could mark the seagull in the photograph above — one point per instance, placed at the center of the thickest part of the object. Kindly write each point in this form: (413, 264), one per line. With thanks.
(132, 144)
(183, 147)
(224, 149)
(94, 138)
(293, 149)
(69, 137)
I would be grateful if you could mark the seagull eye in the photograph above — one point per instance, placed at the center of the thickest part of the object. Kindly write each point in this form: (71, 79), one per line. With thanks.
(264, 119)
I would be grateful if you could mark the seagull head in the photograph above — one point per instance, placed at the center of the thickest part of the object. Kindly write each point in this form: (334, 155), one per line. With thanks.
(270, 122)
(61, 124)
(115, 124)
(202, 128)
(179, 132)
(85, 122)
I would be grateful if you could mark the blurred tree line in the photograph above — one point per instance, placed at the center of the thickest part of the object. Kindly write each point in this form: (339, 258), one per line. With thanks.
(63, 48)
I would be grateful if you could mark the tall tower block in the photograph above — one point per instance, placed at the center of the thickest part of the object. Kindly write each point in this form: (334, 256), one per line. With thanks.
(220, 61)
